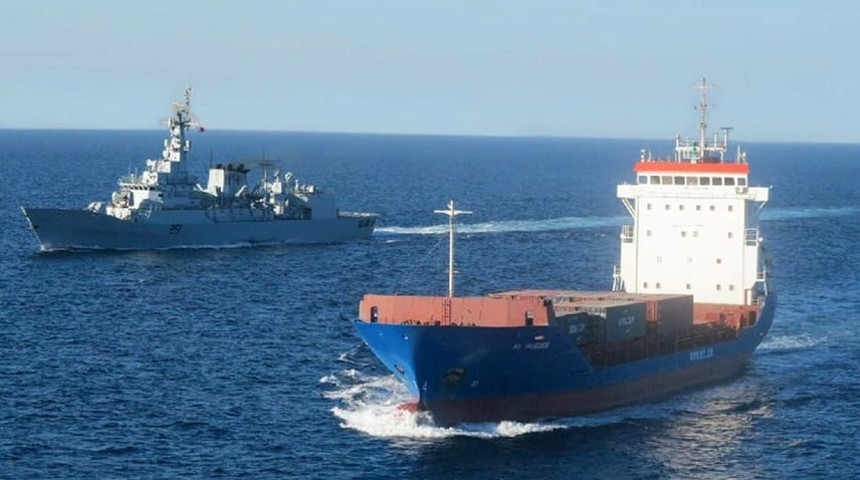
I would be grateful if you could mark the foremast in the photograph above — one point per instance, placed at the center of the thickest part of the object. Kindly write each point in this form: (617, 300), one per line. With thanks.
(451, 212)
(171, 168)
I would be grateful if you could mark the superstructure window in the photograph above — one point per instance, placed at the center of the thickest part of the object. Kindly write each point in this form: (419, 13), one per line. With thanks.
(729, 181)
(657, 285)
(705, 181)
(655, 180)
(692, 180)
(719, 287)
(667, 180)
(731, 288)
(712, 208)
(642, 179)
(683, 233)
(648, 206)
(730, 234)
(698, 208)
(681, 207)
(731, 208)
(644, 284)
(679, 180)
(719, 261)
(668, 207)
(716, 181)
(688, 286)
(742, 181)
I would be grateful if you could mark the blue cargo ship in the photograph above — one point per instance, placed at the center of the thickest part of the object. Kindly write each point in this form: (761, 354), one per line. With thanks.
(690, 303)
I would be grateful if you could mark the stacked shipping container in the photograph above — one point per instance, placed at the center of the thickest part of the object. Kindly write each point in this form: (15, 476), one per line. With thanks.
(613, 316)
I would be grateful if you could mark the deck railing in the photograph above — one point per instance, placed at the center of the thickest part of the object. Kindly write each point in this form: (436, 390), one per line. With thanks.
(627, 233)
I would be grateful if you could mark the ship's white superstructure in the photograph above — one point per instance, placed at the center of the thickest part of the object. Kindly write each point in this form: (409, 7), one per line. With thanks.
(695, 224)
(165, 207)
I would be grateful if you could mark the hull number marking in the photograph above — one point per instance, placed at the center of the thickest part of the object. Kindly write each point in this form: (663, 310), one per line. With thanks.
(701, 354)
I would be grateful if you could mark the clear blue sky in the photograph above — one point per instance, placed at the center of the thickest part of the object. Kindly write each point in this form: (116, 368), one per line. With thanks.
(783, 70)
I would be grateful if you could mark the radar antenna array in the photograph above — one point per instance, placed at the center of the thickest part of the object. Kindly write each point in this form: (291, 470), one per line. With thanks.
(703, 107)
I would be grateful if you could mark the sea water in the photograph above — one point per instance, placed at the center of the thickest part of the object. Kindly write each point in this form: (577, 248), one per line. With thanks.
(243, 362)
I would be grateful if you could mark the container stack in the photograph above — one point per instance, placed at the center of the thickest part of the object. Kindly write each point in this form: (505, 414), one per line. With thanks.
(608, 317)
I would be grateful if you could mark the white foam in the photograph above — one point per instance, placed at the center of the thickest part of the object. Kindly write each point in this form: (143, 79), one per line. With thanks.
(371, 404)
(790, 342)
(574, 223)
(509, 226)
(802, 212)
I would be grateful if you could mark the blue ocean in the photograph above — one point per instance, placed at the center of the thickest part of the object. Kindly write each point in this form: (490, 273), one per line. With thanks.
(242, 362)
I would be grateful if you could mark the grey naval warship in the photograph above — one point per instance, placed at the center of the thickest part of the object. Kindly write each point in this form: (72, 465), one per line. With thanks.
(164, 207)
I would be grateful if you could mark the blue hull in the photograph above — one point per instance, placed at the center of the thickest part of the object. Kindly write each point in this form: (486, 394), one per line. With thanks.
(473, 374)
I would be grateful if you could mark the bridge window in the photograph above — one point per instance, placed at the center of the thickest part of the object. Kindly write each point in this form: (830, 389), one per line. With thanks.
(679, 180)
(731, 208)
(742, 181)
(730, 234)
(645, 285)
(688, 286)
(719, 287)
(692, 180)
(655, 180)
(642, 179)
(668, 207)
(657, 285)
(648, 207)
(705, 181)
(667, 180)
(719, 261)
(729, 181)
(731, 288)
(698, 208)
(712, 208)
(648, 233)
(681, 207)
(683, 233)
(716, 181)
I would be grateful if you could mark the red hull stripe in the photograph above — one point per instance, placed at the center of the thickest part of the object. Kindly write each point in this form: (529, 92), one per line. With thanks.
(737, 168)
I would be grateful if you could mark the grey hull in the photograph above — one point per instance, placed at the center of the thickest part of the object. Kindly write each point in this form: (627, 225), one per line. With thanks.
(59, 229)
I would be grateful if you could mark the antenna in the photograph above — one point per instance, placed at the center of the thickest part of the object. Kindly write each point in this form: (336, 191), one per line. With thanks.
(726, 131)
(183, 116)
(703, 107)
(451, 212)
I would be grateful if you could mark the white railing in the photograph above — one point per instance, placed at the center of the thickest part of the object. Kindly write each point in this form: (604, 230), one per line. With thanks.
(617, 280)
(751, 237)
(627, 233)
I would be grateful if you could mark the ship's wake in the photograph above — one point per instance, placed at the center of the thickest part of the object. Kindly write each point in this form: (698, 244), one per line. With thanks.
(576, 223)
(373, 404)
(509, 226)
(787, 343)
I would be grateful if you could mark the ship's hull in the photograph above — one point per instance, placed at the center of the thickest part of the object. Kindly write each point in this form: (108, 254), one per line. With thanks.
(474, 374)
(59, 229)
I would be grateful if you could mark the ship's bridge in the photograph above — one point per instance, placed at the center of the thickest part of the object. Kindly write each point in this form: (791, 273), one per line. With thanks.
(695, 231)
